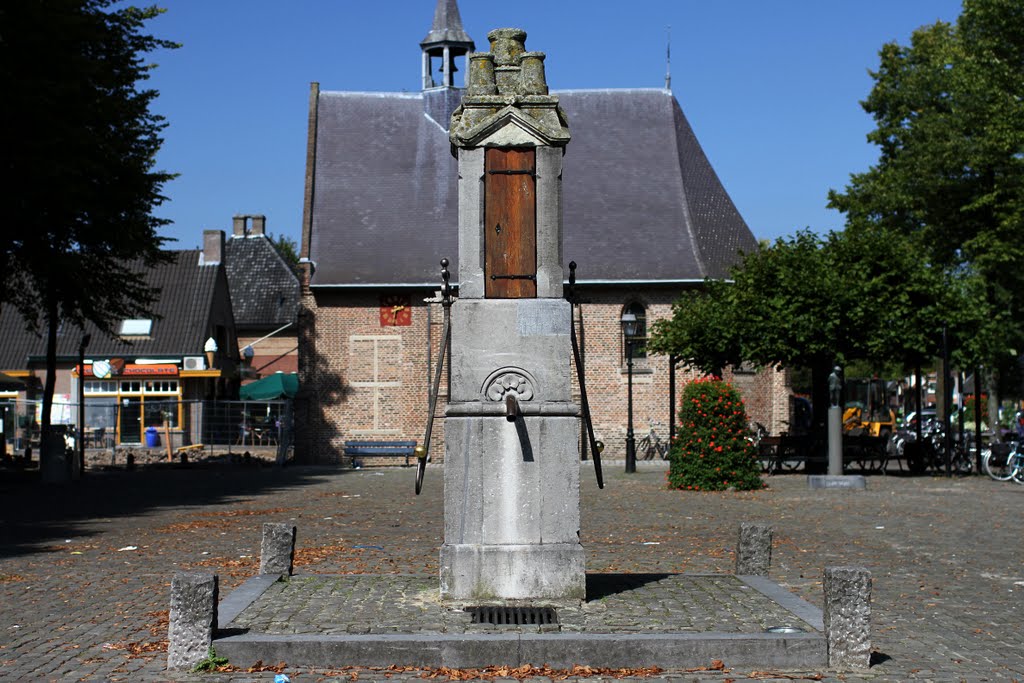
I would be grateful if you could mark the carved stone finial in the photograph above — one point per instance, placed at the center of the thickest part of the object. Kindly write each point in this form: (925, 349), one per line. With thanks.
(481, 75)
(507, 44)
(508, 86)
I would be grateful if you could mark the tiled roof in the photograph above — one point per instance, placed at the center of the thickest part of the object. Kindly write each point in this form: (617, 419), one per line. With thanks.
(264, 290)
(641, 200)
(184, 306)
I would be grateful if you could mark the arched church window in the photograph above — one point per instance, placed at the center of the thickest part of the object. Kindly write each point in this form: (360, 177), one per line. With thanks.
(639, 337)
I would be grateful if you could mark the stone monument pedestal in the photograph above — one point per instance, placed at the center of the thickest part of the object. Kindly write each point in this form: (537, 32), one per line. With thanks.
(511, 469)
(835, 479)
(511, 456)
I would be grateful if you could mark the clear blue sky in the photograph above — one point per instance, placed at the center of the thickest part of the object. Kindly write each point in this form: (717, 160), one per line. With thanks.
(772, 89)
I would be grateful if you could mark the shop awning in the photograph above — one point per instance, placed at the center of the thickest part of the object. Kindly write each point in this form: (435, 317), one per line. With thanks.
(8, 383)
(278, 385)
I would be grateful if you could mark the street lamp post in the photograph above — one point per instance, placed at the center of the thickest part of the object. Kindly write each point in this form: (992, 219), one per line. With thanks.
(629, 330)
(81, 404)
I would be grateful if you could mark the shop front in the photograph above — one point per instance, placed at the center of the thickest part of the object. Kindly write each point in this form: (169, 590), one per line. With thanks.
(127, 403)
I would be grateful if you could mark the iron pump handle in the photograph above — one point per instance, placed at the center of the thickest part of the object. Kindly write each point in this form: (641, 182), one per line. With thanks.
(595, 446)
(423, 451)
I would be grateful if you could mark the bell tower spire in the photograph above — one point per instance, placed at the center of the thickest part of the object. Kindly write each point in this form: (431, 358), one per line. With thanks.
(446, 41)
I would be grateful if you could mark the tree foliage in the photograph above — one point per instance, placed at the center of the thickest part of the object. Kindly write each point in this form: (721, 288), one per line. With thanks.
(288, 249)
(949, 116)
(933, 234)
(79, 145)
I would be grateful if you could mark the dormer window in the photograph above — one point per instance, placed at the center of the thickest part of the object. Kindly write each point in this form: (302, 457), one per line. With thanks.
(136, 327)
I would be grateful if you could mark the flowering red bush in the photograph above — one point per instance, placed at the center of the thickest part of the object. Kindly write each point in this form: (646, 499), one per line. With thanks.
(711, 451)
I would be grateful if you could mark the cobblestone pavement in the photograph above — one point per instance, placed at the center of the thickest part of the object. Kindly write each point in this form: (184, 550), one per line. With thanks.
(674, 603)
(85, 568)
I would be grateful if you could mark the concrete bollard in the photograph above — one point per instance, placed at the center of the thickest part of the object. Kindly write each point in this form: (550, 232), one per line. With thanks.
(193, 619)
(278, 549)
(848, 617)
(754, 549)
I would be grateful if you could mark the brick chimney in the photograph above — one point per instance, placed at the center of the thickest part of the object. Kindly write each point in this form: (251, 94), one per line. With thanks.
(213, 247)
(259, 225)
(238, 226)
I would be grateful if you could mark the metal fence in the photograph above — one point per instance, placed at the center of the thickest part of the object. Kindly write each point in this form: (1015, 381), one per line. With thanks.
(165, 427)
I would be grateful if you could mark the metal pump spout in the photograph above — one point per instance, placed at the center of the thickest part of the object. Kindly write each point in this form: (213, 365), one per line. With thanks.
(511, 407)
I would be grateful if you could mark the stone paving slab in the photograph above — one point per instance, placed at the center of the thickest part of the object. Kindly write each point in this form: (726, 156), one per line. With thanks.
(628, 621)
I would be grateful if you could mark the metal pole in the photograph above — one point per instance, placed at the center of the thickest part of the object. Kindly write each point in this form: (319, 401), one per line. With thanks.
(630, 440)
(947, 401)
(671, 399)
(977, 420)
(960, 410)
(584, 434)
(918, 400)
(81, 404)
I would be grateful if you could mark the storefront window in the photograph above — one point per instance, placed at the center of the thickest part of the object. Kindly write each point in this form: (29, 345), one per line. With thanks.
(156, 413)
(125, 407)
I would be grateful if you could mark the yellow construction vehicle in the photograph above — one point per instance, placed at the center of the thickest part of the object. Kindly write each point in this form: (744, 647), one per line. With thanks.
(866, 409)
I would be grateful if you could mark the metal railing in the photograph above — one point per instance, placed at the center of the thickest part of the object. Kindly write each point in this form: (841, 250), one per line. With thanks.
(165, 425)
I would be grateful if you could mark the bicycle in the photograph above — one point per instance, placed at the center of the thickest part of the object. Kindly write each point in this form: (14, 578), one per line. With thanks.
(1004, 462)
(651, 444)
(930, 452)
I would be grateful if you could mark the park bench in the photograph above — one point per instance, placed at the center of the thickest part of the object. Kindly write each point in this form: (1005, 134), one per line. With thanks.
(357, 450)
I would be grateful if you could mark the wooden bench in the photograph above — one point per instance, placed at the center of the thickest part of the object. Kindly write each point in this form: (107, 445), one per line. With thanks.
(378, 449)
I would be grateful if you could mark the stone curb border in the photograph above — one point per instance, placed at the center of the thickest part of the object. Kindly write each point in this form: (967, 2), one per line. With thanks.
(794, 651)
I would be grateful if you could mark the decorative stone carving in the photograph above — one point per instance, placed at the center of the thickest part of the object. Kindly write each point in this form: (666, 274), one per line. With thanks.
(506, 381)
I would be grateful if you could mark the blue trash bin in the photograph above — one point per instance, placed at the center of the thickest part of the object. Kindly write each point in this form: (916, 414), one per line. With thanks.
(152, 437)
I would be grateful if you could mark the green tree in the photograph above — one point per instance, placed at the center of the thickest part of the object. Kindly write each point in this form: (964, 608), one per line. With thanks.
(811, 301)
(79, 144)
(288, 248)
(702, 331)
(949, 117)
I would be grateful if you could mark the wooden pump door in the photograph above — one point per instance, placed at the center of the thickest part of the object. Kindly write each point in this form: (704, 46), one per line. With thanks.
(510, 224)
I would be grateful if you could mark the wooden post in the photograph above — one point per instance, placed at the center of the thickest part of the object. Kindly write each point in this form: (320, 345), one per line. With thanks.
(167, 438)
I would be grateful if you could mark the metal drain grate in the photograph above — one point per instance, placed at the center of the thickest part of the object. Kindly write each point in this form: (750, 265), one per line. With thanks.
(513, 616)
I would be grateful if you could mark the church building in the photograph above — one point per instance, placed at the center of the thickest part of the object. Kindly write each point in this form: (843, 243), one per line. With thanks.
(645, 218)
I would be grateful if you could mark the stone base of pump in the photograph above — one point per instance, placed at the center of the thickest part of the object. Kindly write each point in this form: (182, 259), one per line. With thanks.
(626, 621)
(498, 573)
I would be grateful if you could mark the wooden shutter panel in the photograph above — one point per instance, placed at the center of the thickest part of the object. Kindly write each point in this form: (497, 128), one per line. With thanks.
(510, 223)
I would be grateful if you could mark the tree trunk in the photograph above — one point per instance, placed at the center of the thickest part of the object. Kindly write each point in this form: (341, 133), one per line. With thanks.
(52, 464)
(820, 370)
(992, 380)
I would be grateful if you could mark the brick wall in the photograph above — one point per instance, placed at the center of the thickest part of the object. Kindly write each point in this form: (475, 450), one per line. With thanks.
(364, 381)
(277, 353)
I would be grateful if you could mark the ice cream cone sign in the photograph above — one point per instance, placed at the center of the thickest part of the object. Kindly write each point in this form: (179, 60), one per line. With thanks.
(210, 347)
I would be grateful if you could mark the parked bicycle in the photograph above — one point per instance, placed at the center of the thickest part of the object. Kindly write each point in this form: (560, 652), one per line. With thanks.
(930, 453)
(652, 444)
(1004, 461)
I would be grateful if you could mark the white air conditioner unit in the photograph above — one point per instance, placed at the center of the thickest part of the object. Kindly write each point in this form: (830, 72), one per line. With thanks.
(194, 363)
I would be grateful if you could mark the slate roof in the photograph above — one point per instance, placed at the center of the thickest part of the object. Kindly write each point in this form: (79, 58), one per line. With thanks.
(641, 200)
(447, 26)
(185, 305)
(264, 290)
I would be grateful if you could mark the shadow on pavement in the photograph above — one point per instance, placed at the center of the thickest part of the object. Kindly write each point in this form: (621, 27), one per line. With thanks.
(35, 514)
(603, 585)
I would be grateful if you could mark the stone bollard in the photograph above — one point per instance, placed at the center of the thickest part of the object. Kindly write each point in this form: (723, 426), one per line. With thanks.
(848, 617)
(754, 549)
(193, 619)
(278, 549)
